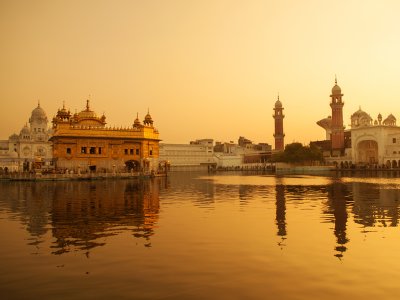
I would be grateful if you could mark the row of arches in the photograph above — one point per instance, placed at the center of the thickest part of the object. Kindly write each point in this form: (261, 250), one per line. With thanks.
(393, 164)
(390, 164)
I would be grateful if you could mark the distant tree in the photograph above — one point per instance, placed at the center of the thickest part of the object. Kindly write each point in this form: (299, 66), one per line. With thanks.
(297, 153)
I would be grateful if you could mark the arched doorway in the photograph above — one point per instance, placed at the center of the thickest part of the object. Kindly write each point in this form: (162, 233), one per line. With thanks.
(367, 152)
(132, 165)
(394, 164)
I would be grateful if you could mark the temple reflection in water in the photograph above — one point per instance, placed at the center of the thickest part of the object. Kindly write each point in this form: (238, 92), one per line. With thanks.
(80, 215)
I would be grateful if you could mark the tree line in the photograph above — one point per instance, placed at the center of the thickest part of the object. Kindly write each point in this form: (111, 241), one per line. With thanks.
(297, 153)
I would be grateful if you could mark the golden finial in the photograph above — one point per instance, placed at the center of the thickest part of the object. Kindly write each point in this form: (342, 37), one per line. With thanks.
(335, 79)
(38, 103)
(87, 104)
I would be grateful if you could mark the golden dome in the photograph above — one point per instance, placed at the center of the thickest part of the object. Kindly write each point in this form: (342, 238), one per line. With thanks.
(87, 113)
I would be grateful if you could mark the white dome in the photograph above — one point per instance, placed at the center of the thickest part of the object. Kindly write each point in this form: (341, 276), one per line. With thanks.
(360, 113)
(360, 118)
(14, 136)
(25, 131)
(38, 115)
(390, 120)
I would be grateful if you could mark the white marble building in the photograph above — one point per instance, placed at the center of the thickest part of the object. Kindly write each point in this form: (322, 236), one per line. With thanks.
(375, 142)
(30, 148)
(368, 142)
(197, 155)
(201, 155)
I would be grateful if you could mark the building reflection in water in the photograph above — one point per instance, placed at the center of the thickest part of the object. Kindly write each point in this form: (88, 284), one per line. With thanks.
(338, 199)
(376, 205)
(280, 218)
(30, 203)
(81, 214)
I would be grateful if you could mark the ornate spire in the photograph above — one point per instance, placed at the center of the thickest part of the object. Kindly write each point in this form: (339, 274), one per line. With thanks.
(335, 79)
(87, 105)
(147, 119)
(136, 123)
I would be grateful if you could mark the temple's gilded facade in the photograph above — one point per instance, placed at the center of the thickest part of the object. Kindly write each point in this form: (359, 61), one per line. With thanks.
(82, 142)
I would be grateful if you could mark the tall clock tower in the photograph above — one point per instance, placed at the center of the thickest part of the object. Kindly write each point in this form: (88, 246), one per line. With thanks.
(279, 135)
(337, 129)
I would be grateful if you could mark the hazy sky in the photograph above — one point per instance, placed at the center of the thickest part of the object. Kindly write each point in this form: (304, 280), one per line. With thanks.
(206, 69)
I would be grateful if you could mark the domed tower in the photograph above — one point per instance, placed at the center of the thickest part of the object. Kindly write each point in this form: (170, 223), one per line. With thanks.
(279, 135)
(38, 123)
(148, 121)
(337, 129)
(25, 133)
(136, 123)
(390, 121)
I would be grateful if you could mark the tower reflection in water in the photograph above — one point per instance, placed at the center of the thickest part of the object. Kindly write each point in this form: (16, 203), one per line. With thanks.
(280, 212)
(338, 199)
(82, 214)
(78, 216)
(335, 209)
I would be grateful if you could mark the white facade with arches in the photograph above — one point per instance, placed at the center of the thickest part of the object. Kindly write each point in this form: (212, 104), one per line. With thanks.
(30, 148)
(376, 145)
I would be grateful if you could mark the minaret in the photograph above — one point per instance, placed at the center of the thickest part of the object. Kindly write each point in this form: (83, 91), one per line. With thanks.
(337, 129)
(279, 135)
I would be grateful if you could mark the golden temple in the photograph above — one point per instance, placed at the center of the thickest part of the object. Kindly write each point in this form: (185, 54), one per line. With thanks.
(82, 142)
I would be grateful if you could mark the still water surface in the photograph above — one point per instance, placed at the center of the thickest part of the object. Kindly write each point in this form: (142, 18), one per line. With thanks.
(195, 236)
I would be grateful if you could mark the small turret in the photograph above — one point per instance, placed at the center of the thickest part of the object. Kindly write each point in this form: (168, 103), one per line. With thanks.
(148, 121)
(136, 123)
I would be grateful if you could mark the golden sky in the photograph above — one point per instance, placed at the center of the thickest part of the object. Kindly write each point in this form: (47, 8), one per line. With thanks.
(205, 69)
